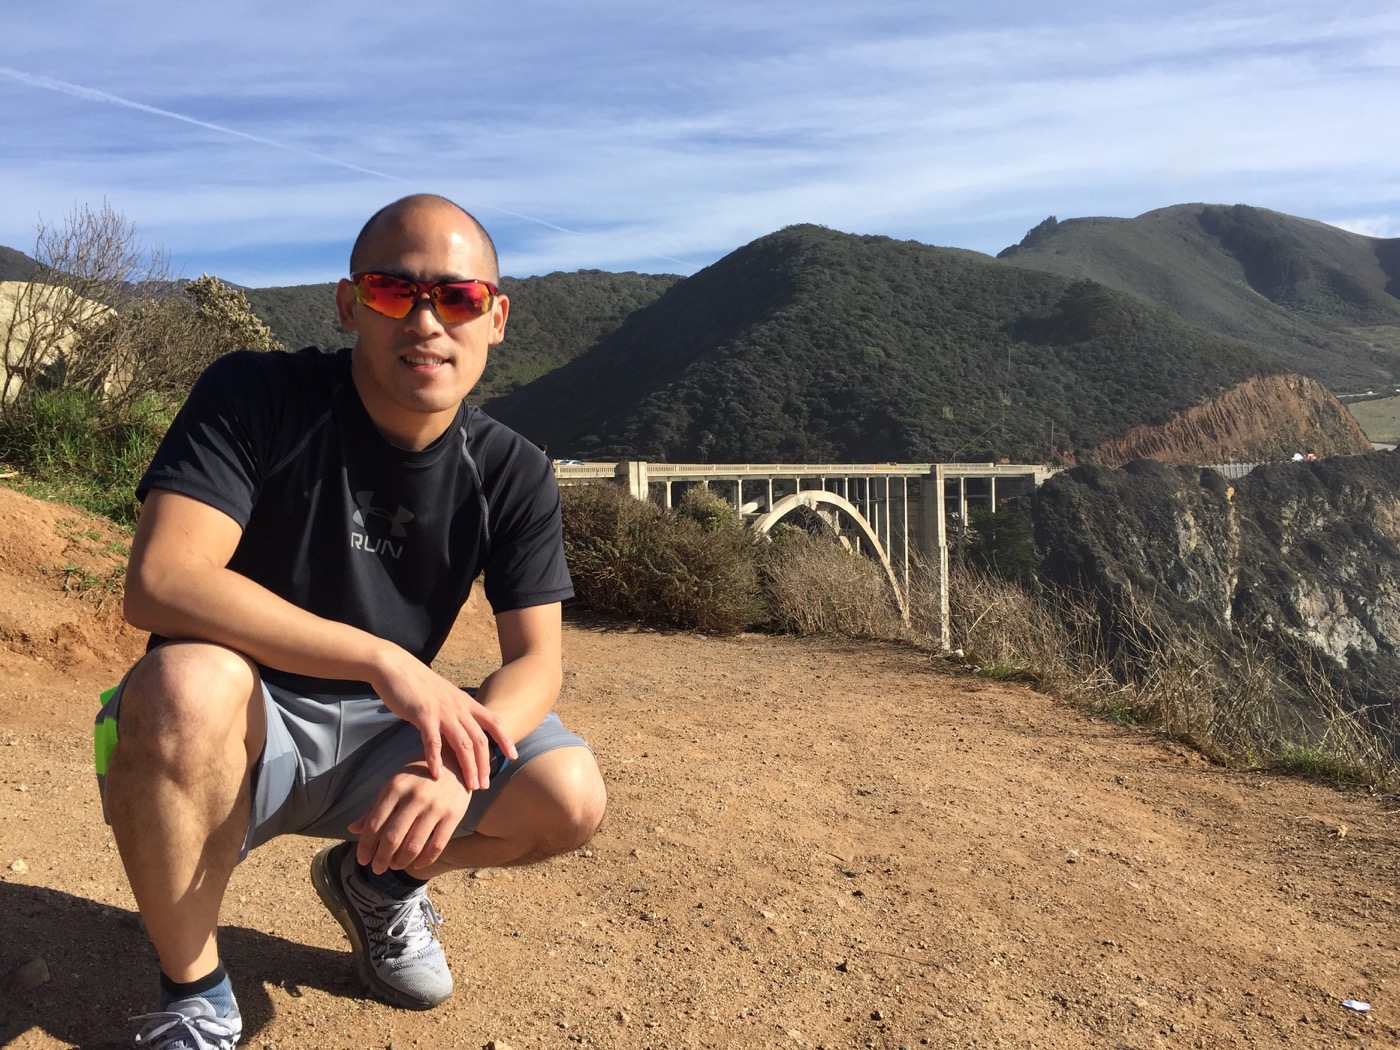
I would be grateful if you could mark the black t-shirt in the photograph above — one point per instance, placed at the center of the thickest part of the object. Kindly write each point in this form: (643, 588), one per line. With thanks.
(340, 522)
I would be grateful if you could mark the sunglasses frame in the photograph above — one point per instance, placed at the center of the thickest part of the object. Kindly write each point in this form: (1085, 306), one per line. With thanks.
(432, 289)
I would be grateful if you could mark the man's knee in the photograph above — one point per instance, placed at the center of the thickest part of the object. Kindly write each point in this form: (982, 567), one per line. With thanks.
(561, 800)
(189, 696)
(587, 802)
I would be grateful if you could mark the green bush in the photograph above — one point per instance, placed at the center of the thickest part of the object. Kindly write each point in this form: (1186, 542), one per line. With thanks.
(709, 510)
(631, 559)
(1001, 543)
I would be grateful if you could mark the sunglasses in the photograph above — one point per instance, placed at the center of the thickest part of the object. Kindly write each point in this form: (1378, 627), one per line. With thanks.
(454, 301)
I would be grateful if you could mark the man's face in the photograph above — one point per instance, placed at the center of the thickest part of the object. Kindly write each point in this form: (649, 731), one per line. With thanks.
(412, 373)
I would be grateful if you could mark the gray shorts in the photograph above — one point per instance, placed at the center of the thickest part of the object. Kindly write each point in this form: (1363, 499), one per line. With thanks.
(325, 760)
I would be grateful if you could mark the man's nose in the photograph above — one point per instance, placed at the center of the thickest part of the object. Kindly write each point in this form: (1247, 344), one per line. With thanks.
(423, 317)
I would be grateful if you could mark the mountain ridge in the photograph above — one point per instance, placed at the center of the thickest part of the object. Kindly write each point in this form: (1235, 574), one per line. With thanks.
(827, 345)
(1322, 300)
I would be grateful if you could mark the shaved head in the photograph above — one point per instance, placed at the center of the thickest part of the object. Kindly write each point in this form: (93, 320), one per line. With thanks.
(414, 201)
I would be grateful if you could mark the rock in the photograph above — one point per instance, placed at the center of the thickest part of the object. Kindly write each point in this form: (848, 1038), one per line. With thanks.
(19, 867)
(1253, 422)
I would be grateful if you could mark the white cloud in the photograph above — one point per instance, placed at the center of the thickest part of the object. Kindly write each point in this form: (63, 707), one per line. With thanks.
(1381, 226)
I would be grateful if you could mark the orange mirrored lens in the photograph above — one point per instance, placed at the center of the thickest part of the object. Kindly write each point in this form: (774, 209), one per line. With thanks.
(454, 301)
(462, 298)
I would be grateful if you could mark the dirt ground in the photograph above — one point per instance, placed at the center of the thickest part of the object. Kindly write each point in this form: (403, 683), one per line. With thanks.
(809, 844)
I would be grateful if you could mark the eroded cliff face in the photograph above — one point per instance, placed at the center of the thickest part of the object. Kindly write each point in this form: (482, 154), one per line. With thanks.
(1265, 418)
(1305, 553)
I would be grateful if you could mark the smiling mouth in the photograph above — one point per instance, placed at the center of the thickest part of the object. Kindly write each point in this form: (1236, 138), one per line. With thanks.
(421, 361)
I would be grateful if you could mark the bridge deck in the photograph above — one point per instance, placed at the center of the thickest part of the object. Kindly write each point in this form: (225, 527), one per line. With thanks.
(699, 471)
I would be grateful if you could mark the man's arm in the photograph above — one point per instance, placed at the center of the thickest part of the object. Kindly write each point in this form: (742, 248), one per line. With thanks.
(413, 818)
(179, 585)
(527, 684)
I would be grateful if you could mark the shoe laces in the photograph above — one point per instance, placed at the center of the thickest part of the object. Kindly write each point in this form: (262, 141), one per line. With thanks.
(398, 929)
(176, 1030)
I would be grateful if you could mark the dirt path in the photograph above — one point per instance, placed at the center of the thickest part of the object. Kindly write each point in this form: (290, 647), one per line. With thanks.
(808, 844)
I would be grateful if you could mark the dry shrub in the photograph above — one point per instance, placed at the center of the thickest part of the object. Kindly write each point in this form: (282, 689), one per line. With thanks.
(631, 559)
(814, 586)
(101, 315)
(709, 510)
(160, 345)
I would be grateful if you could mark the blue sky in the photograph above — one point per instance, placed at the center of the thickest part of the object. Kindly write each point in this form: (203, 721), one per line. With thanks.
(251, 140)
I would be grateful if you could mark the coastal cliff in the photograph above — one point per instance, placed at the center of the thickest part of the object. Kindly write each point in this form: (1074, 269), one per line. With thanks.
(1301, 557)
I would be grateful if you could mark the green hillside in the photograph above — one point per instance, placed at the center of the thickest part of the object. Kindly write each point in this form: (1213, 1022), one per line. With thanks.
(1379, 417)
(553, 319)
(556, 317)
(1315, 299)
(812, 345)
(299, 314)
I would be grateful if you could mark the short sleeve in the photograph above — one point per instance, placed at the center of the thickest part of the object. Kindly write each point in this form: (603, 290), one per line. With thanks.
(526, 564)
(214, 450)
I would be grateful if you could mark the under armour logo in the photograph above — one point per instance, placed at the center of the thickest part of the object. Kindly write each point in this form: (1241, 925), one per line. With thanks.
(397, 520)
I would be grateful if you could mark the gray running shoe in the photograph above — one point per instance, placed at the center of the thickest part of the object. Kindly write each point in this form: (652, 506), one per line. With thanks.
(189, 1024)
(394, 941)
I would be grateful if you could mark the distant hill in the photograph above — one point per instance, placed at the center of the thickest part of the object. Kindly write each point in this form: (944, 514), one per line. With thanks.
(556, 317)
(1313, 298)
(15, 266)
(553, 318)
(812, 345)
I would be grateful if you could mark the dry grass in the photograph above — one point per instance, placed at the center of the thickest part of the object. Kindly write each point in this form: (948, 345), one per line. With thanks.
(813, 586)
(1242, 700)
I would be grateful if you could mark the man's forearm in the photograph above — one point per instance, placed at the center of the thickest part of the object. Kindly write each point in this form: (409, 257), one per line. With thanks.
(522, 691)
(215, 604)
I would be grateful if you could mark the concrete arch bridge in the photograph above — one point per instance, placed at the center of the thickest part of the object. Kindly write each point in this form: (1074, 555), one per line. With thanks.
(894, 513)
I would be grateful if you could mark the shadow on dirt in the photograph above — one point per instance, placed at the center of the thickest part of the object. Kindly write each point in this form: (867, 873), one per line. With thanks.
(103, 970)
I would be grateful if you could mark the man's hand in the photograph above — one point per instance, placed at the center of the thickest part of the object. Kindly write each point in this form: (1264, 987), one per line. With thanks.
(180, 556)
(447, 717)
(412, 819)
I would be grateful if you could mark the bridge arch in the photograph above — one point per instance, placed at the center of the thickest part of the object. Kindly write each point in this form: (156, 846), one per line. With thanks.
(828, 504)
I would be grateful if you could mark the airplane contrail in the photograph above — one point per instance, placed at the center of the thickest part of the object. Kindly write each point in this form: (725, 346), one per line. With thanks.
(65, 87)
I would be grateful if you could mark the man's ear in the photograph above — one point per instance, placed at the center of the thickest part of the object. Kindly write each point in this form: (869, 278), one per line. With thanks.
(345, 304)
(500, 310)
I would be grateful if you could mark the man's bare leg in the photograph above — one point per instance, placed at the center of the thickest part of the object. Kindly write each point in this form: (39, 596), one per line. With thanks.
(191, 726)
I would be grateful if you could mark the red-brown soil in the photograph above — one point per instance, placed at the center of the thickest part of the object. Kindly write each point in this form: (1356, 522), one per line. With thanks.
(809, 844)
